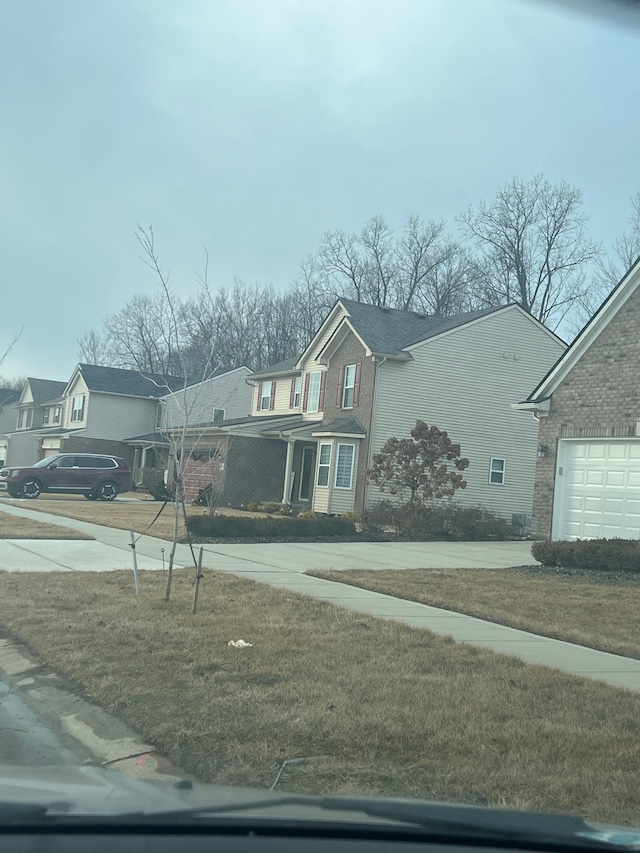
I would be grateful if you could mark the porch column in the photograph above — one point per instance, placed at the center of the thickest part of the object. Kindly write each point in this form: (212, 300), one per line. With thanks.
(288, 470)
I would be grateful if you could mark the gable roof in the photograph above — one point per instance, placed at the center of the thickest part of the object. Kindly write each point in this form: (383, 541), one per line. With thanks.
(8, 396)
(618, 297)
(43, 390)
(288, 366)
(387, 331)
(130, 383)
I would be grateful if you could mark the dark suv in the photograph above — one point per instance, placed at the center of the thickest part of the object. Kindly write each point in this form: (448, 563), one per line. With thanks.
(95, 477)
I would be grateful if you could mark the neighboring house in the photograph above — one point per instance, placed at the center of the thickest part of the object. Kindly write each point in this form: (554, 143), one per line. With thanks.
(8, 418)
(588, 405)
(91, 413)
(200, 407)
(369, 374)
(34, 412)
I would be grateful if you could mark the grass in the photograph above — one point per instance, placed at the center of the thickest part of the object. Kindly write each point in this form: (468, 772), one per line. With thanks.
(595, 610)
(397, 711)
(126, 516)
(15, 527)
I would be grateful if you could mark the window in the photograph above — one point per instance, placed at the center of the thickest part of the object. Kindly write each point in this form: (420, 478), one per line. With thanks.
(29, 418)
(218, 415)
(324, 464)
(296, 392)
(20, 418)
(67, 462)
(344, 466)
(496, 472)
(77, 411)
(265, 396)
(45, 416)
(313, 403)
(160, 412)
(57, 412)
(348, 387)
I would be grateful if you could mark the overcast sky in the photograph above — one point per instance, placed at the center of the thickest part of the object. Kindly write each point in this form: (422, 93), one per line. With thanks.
(253, 126)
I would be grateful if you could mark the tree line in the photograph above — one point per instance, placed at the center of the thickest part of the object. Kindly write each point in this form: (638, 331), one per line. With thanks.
(528, 245)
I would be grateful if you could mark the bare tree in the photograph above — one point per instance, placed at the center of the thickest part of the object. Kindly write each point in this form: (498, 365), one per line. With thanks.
(610, 267)
(533, 247)
(93, 348)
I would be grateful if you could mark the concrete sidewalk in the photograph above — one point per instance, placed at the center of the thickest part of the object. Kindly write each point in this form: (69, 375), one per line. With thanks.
(284, 566)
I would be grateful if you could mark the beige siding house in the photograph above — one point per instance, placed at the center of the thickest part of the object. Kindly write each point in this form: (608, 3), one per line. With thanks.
(369, 374)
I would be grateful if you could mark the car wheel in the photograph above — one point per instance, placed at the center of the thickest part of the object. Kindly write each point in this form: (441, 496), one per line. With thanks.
(90, 496)
(107, 491)
(14, 493)
(31, 488)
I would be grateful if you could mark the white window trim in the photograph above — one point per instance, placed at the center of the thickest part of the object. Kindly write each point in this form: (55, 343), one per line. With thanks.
(57, 414)
(81, 411)
(353, 459)
(213, 415)
(266, 395)
(46, 416)
(297, 392)
(503, 471)
(346, 387)
(326, 465)
(315, 406)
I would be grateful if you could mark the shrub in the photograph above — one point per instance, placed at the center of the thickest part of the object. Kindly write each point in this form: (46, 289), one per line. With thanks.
(252, 506)
(232, 527)
(450, 521)
(351, 516)
(270, 506)
(306, 513)
(604, 555)
(379, 517)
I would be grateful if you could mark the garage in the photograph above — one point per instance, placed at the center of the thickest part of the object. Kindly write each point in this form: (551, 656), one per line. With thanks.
(597, 491)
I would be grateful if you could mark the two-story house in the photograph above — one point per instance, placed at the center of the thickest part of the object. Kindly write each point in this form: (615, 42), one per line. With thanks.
(8, 417)
(369, 374)
(192, 413)
(93, 412)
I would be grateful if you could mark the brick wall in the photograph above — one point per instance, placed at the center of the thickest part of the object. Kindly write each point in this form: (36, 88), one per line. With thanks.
(600, 397)
(254, 470)
(351, 351)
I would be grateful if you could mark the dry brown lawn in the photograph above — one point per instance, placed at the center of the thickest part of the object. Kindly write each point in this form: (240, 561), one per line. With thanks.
(595, 610)
(14, 527)
(395, 710)
(124, 515)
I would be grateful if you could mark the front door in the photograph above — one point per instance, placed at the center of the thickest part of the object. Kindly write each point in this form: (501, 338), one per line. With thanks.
(306, 475)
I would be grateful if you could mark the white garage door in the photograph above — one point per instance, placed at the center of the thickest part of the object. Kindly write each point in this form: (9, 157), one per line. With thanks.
(597, 490)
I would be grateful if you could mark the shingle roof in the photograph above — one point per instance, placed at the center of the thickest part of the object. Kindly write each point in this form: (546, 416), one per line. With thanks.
(281, 367)
(351, 426)
(45, 389)
(387, 331)
(133, 383)
(8, 395)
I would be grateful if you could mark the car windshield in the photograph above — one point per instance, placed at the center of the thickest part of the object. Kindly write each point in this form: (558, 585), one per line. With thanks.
(327, 314)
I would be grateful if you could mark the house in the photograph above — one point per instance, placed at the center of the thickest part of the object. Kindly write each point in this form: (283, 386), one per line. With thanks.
(193, 411)
(587, 482)
(35, 411)
(91, 413)
(8, 418)
(368, 374)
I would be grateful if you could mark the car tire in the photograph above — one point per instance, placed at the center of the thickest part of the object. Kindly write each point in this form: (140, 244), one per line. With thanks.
(107, 491)
(30, 488)
(90, 496)
(14, 493)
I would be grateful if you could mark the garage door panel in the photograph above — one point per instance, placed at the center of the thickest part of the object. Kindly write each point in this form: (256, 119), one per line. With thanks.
(598, 491)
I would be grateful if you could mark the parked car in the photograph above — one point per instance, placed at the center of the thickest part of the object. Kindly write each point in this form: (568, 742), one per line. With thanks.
(96, 477)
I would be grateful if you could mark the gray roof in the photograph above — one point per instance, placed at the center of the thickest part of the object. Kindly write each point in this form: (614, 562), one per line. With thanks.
(387, 331)
(350, 426)
(45, 389)
(8, 395)
(282, 367)
(149, 438)
(133, 383)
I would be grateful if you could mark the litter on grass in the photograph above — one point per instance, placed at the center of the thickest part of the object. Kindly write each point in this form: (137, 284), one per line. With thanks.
(239, 644)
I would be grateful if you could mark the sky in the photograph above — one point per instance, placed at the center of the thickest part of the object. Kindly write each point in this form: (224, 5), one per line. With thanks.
(252, 127)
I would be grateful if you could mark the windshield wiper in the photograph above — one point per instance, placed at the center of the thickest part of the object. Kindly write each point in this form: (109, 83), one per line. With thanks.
(465, 822)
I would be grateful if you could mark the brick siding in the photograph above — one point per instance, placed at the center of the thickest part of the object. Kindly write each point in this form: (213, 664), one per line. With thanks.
(351, 351)
(600, 397)
(254, 471)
